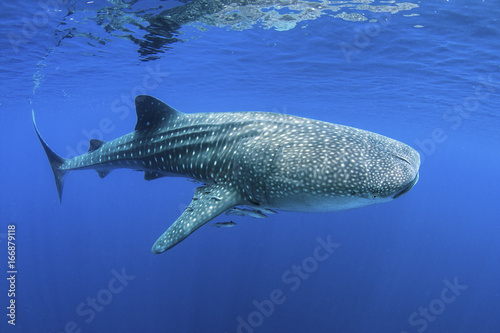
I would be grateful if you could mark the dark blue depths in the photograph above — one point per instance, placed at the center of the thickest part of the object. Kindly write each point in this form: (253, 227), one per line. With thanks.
(425, 262)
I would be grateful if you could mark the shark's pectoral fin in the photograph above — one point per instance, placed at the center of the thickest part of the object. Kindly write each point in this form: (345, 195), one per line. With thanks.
(208, 203)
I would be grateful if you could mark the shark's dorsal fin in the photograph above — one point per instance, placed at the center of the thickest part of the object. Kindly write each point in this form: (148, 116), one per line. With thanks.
(202, 209)
(95, 144)
(152, 113)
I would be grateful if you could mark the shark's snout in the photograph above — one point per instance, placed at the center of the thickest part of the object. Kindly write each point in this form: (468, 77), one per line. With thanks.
(394, 169)
(407, 164)
(407, 187)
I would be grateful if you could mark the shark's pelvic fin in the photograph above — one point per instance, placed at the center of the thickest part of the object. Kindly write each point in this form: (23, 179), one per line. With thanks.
(55, 162)
(103, 173)
(202, 209)
(153, 113)
(151, 175)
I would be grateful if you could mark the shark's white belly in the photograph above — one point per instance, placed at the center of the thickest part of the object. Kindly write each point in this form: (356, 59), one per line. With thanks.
(307, 203)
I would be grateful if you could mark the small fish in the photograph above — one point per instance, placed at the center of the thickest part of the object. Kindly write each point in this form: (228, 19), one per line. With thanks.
(246, 212)
(224, 224)
(267, 211)
(196, 181)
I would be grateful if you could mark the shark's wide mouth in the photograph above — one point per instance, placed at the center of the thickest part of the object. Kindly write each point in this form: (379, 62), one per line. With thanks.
(407, 188)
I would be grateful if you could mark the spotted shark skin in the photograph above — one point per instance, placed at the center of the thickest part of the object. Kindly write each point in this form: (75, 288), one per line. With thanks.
(255, 159)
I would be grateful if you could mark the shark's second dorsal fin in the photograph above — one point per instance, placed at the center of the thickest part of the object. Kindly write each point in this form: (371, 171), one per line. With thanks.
(95, 144)
(152, 113)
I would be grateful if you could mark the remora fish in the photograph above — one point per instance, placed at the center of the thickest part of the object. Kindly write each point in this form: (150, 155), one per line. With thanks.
(246, 212)
(224, 224)
(254, 159)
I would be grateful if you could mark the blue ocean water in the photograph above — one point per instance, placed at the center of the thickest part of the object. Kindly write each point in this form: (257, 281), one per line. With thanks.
(425, 73)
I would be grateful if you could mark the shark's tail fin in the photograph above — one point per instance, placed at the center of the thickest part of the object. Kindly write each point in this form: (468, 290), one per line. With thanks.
(55, 162)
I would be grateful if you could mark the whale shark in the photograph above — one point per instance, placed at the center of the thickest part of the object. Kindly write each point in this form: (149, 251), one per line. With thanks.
(262, 160)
